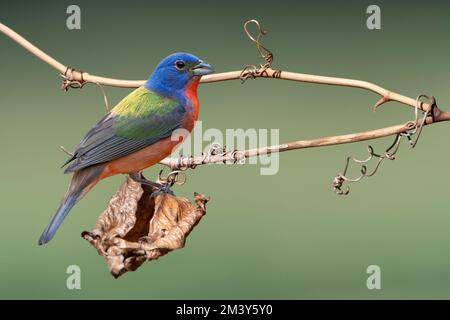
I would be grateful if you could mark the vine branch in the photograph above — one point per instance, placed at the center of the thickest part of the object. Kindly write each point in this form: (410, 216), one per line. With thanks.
(81, 76)
(432, 114)
(236, 156)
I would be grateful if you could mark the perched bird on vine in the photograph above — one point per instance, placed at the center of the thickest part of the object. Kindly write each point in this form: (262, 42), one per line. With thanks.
(137, 132)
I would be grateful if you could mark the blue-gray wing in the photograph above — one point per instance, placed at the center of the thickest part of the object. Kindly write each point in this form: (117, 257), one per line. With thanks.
(135, 123)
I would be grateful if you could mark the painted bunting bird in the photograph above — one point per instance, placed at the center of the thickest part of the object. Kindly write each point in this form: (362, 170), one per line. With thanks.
(136, 133)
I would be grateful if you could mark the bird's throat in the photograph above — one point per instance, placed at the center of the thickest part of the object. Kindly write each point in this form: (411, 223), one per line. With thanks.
(191, 95)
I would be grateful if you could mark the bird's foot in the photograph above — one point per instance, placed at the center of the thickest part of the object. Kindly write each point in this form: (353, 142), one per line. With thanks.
(157, 188)
(163, 188)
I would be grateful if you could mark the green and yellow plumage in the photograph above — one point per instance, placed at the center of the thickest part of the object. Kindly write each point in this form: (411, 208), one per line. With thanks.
(140, 119)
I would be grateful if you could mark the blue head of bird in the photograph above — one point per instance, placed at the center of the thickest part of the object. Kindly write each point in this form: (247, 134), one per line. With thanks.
(172, 75)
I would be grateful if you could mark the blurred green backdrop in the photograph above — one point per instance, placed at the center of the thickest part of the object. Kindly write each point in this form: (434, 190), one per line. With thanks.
(285, 236)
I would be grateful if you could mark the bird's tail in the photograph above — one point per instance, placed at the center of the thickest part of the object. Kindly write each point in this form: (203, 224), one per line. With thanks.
(82, 181)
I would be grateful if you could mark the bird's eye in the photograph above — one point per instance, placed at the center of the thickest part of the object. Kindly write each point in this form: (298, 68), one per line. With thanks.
(180, 65)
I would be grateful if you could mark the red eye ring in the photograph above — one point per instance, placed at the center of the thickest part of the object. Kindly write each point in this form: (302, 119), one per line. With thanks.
(180, 65)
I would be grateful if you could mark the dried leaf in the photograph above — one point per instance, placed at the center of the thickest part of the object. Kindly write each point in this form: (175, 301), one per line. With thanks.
(136, 226)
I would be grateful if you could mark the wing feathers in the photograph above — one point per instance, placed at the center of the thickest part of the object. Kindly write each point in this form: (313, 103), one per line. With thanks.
(121, 132)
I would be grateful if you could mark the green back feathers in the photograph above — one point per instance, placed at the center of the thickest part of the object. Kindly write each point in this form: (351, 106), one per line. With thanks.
(143, 102)
(139, 120)
(144, 114)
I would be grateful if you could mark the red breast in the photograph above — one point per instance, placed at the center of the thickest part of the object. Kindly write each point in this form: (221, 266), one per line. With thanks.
(191, 94)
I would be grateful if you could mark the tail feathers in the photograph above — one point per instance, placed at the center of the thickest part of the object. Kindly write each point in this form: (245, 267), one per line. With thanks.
(82, 181)
(58, 218)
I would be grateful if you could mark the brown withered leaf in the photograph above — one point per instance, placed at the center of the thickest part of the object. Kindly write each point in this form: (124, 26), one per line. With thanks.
(135, 227)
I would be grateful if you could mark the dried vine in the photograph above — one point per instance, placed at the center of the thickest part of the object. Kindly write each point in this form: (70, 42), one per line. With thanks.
(415, 130)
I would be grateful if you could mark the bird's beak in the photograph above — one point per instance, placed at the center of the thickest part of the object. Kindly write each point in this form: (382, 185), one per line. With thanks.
(201, 69)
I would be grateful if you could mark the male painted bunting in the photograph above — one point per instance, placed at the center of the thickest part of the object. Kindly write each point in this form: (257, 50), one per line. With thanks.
(136, 133)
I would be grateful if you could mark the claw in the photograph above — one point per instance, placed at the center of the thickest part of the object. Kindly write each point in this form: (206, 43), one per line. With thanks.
(161, 189)
(157, 187)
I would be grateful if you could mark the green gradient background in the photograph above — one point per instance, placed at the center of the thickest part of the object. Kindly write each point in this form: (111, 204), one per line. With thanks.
(282, 236)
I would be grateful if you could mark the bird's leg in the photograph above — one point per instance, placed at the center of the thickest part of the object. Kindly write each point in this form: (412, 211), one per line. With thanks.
(163, 188)
(138, 177)
(157, 187)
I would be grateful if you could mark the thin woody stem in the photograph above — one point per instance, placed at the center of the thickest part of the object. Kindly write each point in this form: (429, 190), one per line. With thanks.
(385, 94)
(76, 75)
(300, 144)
